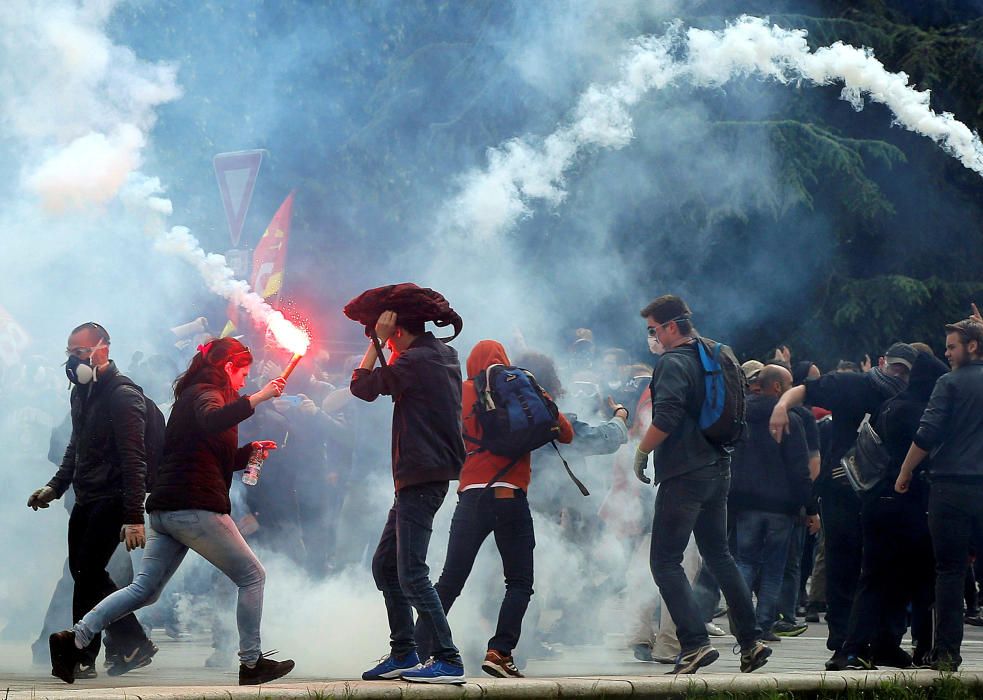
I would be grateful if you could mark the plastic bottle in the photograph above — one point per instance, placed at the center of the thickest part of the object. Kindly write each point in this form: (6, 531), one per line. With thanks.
(253, 467)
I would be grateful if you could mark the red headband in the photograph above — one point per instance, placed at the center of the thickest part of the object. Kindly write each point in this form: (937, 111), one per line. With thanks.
(203, 349)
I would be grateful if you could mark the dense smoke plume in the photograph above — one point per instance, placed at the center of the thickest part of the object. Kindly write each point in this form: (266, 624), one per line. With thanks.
(518, 157)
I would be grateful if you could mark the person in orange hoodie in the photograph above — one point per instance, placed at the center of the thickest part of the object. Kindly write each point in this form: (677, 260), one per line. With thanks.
(504, 511)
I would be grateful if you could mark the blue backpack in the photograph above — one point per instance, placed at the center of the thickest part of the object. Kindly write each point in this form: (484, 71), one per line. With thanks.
(722, 413)
(515, 413)
(516, 416)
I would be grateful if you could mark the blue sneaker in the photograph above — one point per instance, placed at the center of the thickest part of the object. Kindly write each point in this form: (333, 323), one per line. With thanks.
(391, 667)
(436, 671)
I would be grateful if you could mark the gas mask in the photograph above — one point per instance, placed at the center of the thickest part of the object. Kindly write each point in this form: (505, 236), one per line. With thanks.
(79, 371)
(655, 347)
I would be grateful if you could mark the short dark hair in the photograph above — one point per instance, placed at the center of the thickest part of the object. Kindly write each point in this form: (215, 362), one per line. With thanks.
(544, 369)
(100, 332)
(847, 366)
(413, 327)
(968, 330)
(668, 308)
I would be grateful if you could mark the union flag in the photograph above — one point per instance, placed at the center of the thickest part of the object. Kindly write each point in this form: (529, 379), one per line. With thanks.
(269, 262)
(270, 257)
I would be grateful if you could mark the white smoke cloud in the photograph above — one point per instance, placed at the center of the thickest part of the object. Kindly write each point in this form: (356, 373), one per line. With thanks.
(525, 169)
(80, 106)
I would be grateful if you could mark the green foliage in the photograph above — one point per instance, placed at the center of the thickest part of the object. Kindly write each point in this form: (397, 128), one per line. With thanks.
(812, 154)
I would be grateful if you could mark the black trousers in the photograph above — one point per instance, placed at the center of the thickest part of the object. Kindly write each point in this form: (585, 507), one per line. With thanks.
(504, 513)
(955, 519)
(840, 508)
(93, 536)
(896, 570)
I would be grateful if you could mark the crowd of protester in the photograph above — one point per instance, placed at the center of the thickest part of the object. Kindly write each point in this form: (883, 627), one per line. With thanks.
(767, 533)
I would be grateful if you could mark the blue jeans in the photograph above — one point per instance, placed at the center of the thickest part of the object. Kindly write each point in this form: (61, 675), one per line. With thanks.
(172, 533)
(792, 580)
(400, 570)
(504, 512)
(760, 552)
(696, 503)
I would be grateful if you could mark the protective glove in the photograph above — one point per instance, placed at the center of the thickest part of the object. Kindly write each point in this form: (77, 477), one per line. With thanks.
(134, 536)
(641, 464)
(41, 498)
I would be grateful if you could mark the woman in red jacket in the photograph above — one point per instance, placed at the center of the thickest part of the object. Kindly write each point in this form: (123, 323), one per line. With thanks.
(503, 511)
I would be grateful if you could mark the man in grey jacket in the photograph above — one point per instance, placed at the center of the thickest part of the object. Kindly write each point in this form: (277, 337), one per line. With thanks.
(694, 479)
(951, 430)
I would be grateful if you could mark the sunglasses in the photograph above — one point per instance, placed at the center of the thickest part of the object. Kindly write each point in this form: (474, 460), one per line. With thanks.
(653, 329)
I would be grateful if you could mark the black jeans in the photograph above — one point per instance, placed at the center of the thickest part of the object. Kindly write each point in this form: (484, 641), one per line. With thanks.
(842, 529)
(896, 570)
(696, 503)
(504, 512)
(93, 536)
(400, 570)
(955, 519)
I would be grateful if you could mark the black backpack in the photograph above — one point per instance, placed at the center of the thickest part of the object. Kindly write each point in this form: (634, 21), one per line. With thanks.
(516, 416)
(722, 413)
(153, 431)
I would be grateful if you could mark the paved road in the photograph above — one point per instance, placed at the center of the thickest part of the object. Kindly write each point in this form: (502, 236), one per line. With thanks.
(179, 664)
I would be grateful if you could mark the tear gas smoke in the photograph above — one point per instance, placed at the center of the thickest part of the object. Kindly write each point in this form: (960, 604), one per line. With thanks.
(221, 279)
(522, 169)
(79, 116)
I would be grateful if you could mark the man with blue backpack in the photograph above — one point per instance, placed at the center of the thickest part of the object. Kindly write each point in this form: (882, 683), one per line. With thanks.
(697, 413)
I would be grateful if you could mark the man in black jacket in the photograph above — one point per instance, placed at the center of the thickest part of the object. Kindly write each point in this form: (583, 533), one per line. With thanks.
(106, 463)
(694, 478)
(850, 396)
(769, 484)
(424, 381)
(950, 430)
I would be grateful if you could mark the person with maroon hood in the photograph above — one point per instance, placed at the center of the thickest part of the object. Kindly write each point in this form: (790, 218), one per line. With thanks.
(504, 511)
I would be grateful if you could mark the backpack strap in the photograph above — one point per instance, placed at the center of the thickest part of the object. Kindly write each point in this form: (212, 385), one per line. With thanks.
(507, 468)
(573, 477)
(476, 441)
(378, 348)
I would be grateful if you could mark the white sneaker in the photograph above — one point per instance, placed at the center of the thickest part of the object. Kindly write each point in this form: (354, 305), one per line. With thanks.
(715, 630)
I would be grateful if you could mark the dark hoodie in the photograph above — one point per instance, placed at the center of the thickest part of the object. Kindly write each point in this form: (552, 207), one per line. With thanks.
(898, 419)
(482, 466)
(201, 447)
(766, 475)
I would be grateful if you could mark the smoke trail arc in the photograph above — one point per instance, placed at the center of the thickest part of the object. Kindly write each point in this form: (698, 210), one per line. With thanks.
(525, 169)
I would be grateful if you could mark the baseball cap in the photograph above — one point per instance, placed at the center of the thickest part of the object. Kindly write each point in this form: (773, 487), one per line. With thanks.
(751, 369)
(901, 354)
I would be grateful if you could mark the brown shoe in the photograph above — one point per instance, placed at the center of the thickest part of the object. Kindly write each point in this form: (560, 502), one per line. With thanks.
(499, 665)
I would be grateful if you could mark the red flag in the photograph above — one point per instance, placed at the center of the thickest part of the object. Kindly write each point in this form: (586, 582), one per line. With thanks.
(270, 257)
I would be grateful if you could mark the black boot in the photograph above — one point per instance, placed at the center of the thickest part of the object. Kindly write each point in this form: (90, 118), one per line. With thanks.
(264, 671)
